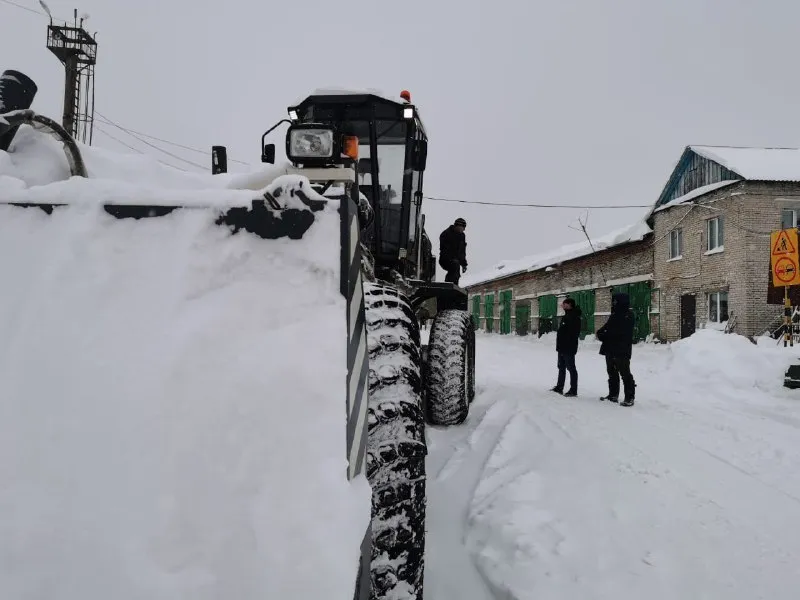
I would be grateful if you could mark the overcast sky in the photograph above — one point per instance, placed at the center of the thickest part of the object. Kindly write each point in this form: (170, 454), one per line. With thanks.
(567, 102)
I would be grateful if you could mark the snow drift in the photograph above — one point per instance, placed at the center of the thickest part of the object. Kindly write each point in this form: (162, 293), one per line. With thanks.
(172, 397)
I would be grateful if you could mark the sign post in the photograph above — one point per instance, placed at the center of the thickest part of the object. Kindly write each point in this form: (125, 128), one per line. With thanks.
(785, 261)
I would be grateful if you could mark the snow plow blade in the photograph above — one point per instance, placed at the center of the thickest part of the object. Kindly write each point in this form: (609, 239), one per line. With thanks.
(177, 411)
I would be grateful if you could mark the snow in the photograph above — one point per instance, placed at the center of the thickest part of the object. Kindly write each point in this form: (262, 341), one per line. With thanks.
(688, 494)
(758, 164)
(341, 91)
(696, 193)
(36, 170)
(160, 435)
(632, 233)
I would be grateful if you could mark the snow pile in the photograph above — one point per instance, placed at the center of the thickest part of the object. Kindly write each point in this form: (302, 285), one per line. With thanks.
(172, 410)
(38, 160)
(632, 233)
(710, 360)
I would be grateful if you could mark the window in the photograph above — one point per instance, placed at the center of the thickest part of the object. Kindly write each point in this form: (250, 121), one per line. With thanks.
(714, 234)
(675, 243)
(789, 218)
(718, 307)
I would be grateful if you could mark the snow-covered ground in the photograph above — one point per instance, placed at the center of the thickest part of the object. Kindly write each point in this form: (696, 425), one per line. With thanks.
(692, 493)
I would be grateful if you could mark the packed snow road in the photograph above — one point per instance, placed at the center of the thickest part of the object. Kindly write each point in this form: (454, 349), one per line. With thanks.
(692, 493)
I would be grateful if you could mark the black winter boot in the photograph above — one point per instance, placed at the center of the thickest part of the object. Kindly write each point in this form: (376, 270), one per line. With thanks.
(613, 391)
(630, 394)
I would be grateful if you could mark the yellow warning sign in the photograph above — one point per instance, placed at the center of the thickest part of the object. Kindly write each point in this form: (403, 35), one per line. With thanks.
(785, 260)
(784, 242)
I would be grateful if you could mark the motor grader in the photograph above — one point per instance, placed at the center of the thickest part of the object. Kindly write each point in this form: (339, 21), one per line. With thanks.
(368, 153)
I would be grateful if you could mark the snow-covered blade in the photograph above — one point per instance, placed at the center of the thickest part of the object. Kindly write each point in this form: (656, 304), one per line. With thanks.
(172, 399)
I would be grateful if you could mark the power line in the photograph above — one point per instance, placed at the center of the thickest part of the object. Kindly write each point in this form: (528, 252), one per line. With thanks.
(116, 139)
(517, 205)
(167, 152)
(162, 140)
(137, 150)
(139, 135)
(30, 10)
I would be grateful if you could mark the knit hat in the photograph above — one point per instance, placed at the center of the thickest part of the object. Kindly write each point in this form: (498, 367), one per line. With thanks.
(461, 222)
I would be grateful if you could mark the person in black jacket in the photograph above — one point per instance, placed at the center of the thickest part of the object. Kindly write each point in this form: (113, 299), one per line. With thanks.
(617, 346)
(453, 250)
(569, 332)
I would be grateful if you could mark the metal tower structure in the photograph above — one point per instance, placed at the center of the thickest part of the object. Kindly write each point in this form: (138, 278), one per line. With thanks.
(77, 51)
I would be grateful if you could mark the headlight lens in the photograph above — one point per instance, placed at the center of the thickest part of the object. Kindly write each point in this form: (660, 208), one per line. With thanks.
(311, 143)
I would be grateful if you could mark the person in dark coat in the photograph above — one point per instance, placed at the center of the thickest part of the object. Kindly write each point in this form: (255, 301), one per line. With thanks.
(567, 336)
(617, 346)
(453, 250)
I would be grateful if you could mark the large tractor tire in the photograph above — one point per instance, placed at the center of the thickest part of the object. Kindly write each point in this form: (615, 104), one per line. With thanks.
(396, 447)
(450, 368)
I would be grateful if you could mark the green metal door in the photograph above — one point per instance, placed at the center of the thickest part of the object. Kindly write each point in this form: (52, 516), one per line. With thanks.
(639, 294)
(489, 312)
(523, 316)
(586, 301)
(548, 311)
(505, 312)
(476, 311)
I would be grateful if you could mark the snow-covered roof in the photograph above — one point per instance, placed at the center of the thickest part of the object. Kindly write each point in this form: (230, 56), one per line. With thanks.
(758, 164)
(696, 193)
(336, 91)
(633, 233)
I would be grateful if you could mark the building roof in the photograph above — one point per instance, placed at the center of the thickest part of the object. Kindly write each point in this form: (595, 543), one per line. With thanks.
(632, 233)
(695, 193)
(755, 164)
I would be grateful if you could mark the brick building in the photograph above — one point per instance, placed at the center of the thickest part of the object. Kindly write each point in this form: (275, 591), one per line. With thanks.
(712, 226)
(701, 257)
(524, 295)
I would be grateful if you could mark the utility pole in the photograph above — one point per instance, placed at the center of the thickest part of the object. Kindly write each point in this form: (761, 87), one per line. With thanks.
(77, 51)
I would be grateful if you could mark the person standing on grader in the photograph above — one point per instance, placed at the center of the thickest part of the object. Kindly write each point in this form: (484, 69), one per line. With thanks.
(617, 346)
(567, 336)
(453, 250)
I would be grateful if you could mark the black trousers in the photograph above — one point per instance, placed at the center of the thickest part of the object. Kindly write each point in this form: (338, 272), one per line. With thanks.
(566, 362)
(620, 368)
(453, 269)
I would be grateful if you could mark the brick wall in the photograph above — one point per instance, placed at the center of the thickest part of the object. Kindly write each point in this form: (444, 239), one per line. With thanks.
(596, 271)
(750, 211)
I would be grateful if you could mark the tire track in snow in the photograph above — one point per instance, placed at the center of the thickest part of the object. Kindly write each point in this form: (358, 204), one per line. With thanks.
(457, 455)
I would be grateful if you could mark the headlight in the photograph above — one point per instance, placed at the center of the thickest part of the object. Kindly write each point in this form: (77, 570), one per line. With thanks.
(310, 143)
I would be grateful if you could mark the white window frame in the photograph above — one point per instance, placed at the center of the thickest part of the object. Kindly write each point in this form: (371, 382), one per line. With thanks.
(675, 238)
(718, 295)
(794, 212)
(717, 225)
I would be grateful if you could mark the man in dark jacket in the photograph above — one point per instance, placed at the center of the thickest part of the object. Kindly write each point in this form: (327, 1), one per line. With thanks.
(567, 336)
(453, 250)
(617, 346)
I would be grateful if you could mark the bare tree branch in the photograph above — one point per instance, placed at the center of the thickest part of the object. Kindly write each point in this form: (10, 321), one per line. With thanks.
(583, 222)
